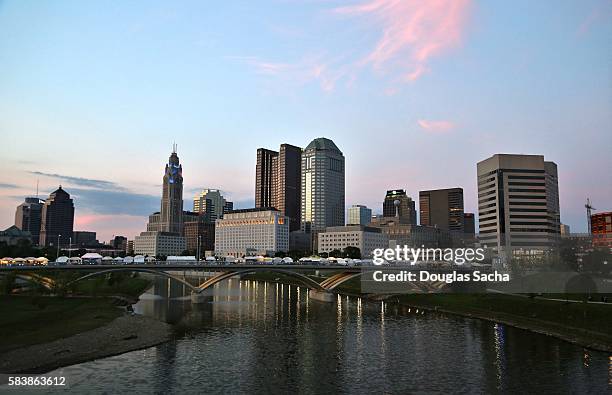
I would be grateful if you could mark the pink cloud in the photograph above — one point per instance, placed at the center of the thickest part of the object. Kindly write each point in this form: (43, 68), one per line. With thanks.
(600, 13)
(435, 126)
(107, 225)
(412, 31)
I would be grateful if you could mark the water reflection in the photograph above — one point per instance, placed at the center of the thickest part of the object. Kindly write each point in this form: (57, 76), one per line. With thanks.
(267, 337)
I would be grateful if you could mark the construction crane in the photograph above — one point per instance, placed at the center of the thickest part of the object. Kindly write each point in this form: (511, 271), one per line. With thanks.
(589, 208)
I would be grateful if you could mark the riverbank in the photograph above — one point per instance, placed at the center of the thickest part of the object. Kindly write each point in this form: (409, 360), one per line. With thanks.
(41, 333)
(30, 320)
(123, 334)
(584, 324)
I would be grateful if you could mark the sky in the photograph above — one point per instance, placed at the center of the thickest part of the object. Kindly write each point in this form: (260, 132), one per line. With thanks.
(415, 93)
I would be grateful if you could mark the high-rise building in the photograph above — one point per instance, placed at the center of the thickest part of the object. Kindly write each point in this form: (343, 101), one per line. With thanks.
(28, 216)
(398, 204)
(119, 243)
(81, 238)
(57, 219)
(278, 181)
(171, 213)
(601, 229)
(565, 230)
(518, 204)
(164, 234)
(266, 174)
(212, 204)
(442, 208)
(359, 215)
(199, 231)
(257, 231)
(469, 224)
(322, 186)
(129, 247)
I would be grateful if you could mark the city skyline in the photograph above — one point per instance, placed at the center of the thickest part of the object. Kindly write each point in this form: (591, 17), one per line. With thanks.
(95, 109)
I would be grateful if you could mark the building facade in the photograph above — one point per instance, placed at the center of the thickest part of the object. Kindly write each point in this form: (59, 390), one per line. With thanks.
(469, 224)
(81, 238)
(212, 204)
(400, 233)
(258, 231)
(359, 215)
(322, 197)
(518, 204)
(278, 181)
(366, 238)
(398, 204)
(199, 232)
(601, 229)
(266, 170)
(28, 217)
(442, 208)
(57, 219)
(14, 236)
(119, 243)
(159, 244)
(171, 213)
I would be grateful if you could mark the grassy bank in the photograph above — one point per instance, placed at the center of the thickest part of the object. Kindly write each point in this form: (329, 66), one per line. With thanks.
(586, 324)
(581, 323)
(118, 284)
(28, 320)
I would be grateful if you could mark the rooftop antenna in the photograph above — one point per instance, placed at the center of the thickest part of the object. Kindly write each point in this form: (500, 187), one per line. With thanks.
(174, 148)
(37, 188)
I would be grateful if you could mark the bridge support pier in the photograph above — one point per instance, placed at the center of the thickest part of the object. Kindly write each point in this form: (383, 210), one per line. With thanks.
(198, 298)
(321, 296)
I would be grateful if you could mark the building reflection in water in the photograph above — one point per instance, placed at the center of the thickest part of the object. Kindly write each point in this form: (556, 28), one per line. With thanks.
(274, 331)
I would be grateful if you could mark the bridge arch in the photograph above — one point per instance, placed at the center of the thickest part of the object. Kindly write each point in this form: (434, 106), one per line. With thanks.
(141, 270)
(32, 278)
(305, 280)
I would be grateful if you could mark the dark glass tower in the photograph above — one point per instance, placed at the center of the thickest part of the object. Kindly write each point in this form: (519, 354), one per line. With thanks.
(278, 181)
(443, 208)
(57, 219)
(28, 216)
(171, 213)
(397, 203)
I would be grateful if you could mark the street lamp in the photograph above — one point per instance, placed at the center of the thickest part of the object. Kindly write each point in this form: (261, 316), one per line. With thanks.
(199, 244)
(69, 248)
(58, 239)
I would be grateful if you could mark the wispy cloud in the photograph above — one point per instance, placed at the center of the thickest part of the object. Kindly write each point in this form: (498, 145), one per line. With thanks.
(86, 182)
(302, 72)
(105, 197)
(412, 31)
(435, 126)
(8, 186)
(601, 12)
(114, 201)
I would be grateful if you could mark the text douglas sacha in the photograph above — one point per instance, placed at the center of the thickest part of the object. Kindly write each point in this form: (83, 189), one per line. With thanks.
(454, 276)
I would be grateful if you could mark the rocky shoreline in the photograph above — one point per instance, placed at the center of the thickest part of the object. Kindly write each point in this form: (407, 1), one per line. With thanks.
(127, 333)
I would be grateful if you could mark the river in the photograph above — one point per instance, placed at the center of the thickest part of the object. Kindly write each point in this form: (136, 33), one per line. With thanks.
(266, 337)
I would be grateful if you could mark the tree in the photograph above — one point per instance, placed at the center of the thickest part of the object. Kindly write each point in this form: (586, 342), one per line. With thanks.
(335, 253)
(352, 252)
(280, 254)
